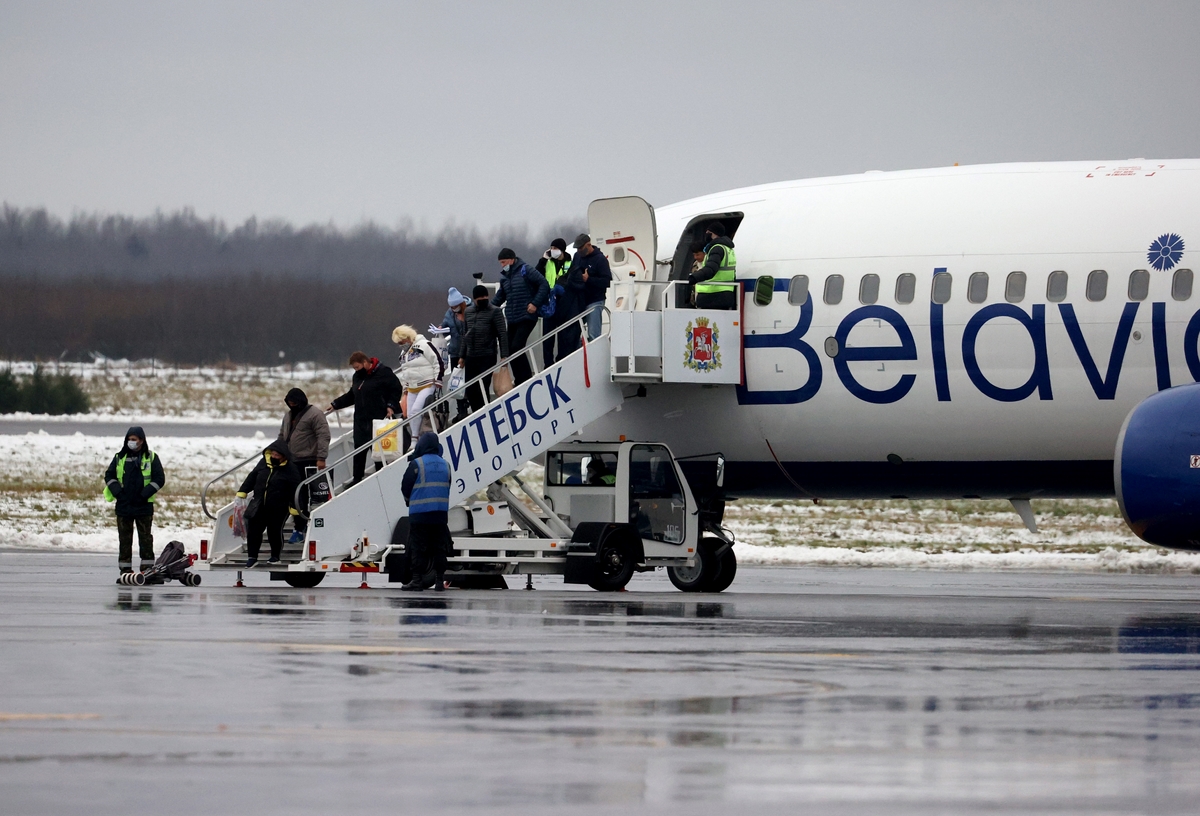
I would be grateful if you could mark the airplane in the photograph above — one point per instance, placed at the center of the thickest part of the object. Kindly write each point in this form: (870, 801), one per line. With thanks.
(1012, 331)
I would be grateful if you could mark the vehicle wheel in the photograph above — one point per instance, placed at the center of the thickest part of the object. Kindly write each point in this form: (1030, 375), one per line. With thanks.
(614, 564)
(725, 573)
(303, 580)
(697, 578)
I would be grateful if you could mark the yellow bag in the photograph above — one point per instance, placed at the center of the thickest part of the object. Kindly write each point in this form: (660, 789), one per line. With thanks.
(502, 381)
(390, 446)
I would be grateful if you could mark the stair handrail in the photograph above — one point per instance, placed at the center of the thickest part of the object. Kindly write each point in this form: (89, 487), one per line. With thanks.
(215, 479)
(579, 319)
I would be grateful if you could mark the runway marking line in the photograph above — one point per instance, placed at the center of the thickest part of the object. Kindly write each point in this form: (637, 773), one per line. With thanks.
(34, 717)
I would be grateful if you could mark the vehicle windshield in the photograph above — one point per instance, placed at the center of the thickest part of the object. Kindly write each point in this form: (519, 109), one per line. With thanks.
(581, 468)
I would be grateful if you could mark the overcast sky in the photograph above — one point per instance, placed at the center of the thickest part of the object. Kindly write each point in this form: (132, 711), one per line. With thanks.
(492, 113)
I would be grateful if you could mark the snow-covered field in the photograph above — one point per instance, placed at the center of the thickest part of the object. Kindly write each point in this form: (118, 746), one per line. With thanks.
(50, 499)
(152, 392)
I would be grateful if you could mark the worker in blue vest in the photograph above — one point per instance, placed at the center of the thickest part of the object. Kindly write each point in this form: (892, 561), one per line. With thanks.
(133, 480)
(426, 488)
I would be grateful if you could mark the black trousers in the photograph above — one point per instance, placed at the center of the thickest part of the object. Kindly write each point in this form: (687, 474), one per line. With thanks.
(549, 324)
(428, 545)
(716, 300)
(474, 366)
(569, 339)
(268, 519)
(125, 526)
(360, 458)
(518, 336)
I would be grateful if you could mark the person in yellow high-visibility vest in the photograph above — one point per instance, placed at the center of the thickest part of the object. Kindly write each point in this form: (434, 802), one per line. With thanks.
(716, 281)
(133, 480)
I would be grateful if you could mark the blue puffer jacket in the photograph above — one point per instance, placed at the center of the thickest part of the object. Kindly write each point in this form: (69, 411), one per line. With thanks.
(519, 287)
(458, 327)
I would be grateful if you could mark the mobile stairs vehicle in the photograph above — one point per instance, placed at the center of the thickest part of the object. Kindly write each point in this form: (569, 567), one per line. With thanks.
(607, 508)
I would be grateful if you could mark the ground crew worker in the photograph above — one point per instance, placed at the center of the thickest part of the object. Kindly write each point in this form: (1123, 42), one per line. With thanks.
(426, 488)
(375, 394)
(132, 480)
(598, 475)
(524, 291)
(305, 431)
(715, 282)
(274, 481)
(554, 266)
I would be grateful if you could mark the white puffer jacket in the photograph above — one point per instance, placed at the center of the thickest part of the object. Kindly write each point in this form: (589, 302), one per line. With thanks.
(419, 366)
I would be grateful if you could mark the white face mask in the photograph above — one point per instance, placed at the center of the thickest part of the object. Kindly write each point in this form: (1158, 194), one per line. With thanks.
(506, 267)
(556, 253)
(132, 445)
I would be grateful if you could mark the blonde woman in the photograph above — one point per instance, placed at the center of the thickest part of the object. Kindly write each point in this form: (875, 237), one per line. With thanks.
(420, 374)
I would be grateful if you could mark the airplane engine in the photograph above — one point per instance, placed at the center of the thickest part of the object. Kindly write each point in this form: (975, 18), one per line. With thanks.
(1156, 468)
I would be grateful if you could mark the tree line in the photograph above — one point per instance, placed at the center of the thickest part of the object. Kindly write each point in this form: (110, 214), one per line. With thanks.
(189, 290)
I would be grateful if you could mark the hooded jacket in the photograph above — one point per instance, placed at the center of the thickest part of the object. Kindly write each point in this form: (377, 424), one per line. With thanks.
(132, 493)
(305, 430)
(428, 475)
(485, 328)
(520, 286)
(373, 389)
(274, 486)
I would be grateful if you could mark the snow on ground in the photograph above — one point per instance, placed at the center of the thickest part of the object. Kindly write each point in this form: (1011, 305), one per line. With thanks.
(50, 499)
(149, 391)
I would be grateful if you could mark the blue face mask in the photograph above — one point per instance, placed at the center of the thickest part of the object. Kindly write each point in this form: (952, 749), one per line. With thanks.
(506, 267)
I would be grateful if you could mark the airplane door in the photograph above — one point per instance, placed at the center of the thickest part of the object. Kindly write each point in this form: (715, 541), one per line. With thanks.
(624, 230)
(656, 503)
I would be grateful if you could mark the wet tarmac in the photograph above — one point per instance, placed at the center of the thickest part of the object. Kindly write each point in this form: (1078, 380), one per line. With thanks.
(840, 691)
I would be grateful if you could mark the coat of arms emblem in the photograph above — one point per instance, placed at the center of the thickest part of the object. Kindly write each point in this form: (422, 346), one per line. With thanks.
(702, 352)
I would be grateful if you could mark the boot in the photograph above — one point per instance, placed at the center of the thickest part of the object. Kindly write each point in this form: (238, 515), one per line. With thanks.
(440, 584)
(413, 586)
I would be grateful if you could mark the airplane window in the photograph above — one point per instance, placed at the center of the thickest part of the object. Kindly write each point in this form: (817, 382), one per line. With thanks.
(977, 286)
(906, 288)
(1014, 287)
(868, 289)
(764, 290)
(833, 289)
(1139, 284)
(941, 287)
(1181, 284)
(798, 290)
(1097, 284)
(1056, 287)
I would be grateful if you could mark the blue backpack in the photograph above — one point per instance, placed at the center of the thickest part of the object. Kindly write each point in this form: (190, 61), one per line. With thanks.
(548, 309)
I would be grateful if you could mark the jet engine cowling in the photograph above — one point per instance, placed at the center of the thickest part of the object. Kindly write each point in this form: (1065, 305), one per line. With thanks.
(1156, 468)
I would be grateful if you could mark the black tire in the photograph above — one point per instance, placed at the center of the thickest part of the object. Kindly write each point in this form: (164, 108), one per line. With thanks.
(303, 580)
(699, 577)
(137, 579)
(615, 559)
(727, 569)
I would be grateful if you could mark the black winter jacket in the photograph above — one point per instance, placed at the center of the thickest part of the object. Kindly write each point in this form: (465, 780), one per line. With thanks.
(371, 394)
(520, 286)
(599, 275)
(485, 328)
(132, 493)
(274, 486)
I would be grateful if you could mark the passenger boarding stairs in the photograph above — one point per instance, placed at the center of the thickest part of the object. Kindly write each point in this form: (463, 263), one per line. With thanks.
(489, 444)
(651, 336)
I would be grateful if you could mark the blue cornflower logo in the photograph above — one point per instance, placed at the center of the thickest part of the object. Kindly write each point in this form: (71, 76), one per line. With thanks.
(1165, 252)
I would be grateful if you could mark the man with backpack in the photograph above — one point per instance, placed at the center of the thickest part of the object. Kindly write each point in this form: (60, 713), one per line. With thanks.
(523, 292)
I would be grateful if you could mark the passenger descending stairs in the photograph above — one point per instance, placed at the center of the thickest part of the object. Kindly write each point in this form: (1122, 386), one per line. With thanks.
(499, 439)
